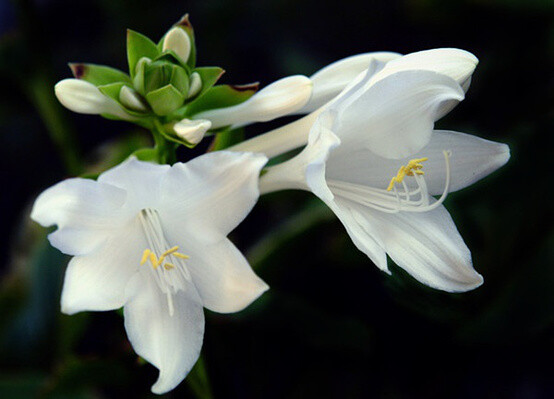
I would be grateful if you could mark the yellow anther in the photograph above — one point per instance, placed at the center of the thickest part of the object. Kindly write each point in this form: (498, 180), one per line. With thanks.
(148, 254)
(170, 251)
(144, 256)
(169, 266)
(412, 168)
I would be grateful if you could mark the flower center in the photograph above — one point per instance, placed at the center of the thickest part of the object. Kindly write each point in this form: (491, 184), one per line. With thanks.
(173, 276)
(393, 199)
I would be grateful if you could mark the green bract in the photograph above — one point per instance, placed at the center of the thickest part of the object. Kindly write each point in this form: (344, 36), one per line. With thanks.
(163, 85)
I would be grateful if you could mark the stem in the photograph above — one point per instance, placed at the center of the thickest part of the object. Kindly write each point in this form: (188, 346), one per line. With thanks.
(165, 149)
(281, 140)
(198, 381)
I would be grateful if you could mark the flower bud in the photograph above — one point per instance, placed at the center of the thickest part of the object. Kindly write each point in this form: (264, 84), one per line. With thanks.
(132, 100)
(192, 131)
(177, 41)
(195, 85)
(280, 98)
(85, 98)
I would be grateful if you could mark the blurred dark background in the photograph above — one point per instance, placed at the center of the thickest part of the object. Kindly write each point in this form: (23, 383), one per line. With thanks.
(332, 325)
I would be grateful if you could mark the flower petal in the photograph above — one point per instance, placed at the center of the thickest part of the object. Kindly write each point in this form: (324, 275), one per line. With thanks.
(84, 211)
(427, 245)
(141, 180)
(280, 98)
(455, 63)
(331, 80)
(472, 158)
(210, 195)
(394, 118)
(224, 279)
(171, 343)
(97, 281)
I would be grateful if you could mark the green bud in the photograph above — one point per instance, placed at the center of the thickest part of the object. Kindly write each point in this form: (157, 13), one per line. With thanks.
(138, 80)
(165, 100)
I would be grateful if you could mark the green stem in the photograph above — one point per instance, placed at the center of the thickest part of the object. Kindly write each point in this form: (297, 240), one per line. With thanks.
(164, 148)
(198, 381)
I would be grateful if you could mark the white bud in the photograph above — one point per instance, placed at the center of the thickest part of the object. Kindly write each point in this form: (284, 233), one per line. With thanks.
(195, 84)
(280, 98)
(178, 41)
(192, 130)
(85, 98)
(131, 99)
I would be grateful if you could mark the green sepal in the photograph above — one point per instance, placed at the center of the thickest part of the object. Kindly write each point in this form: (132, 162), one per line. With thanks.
(180, 80)
(139, 46)
(221, 96)
(209, 77)
(226, 138)
(98, 75)
(171, 57)
(165, 100)
(176, 139)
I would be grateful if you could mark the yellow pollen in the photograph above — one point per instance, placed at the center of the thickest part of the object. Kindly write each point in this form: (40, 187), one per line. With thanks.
(412, 168)
(148, 254)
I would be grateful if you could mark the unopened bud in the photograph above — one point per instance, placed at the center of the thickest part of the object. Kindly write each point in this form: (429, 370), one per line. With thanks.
(192, 131)
(132, 100)
(195, 85)
(179, 42)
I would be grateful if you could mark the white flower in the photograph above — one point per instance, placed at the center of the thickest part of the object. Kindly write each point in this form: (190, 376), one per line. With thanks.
(152, 238)
(373, 158)
(361, 73)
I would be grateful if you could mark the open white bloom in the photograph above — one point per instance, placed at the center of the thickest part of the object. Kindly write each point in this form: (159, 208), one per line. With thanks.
(363, 72)
(373, 158)
(152, 238)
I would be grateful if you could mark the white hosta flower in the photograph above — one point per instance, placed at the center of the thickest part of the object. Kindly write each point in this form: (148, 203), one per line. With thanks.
(84, 98)
(152, 238)
(283, 97)
(355, 78)
(372, 159)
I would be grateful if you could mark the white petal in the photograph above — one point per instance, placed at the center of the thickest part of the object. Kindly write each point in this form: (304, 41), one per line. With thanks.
(225, 281)
(195, 85)
(141, 180)
(457, 64)
(394, 118)
(472, 159)
(171, 343)
(97, 281)
(428, 246)
(83, 97)
(360, 229)
(331, 80)
(84, 211)
(210, 195)
(192, 131)
(178, 41)
(280, 98)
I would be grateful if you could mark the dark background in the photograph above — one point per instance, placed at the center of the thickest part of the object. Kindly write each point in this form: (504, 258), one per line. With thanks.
(332, 325)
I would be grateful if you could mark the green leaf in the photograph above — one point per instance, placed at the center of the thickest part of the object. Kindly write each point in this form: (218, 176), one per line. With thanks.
(98, 75)
(165, 100)
(111, 90)
(139, 46)
(221, 96)
(208, 76)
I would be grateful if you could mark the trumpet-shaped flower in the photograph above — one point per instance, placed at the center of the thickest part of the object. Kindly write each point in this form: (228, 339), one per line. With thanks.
(373, 158)
(152, 238)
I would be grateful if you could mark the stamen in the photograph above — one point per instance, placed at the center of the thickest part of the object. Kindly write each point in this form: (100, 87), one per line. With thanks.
(413, 168)
(144, 256)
